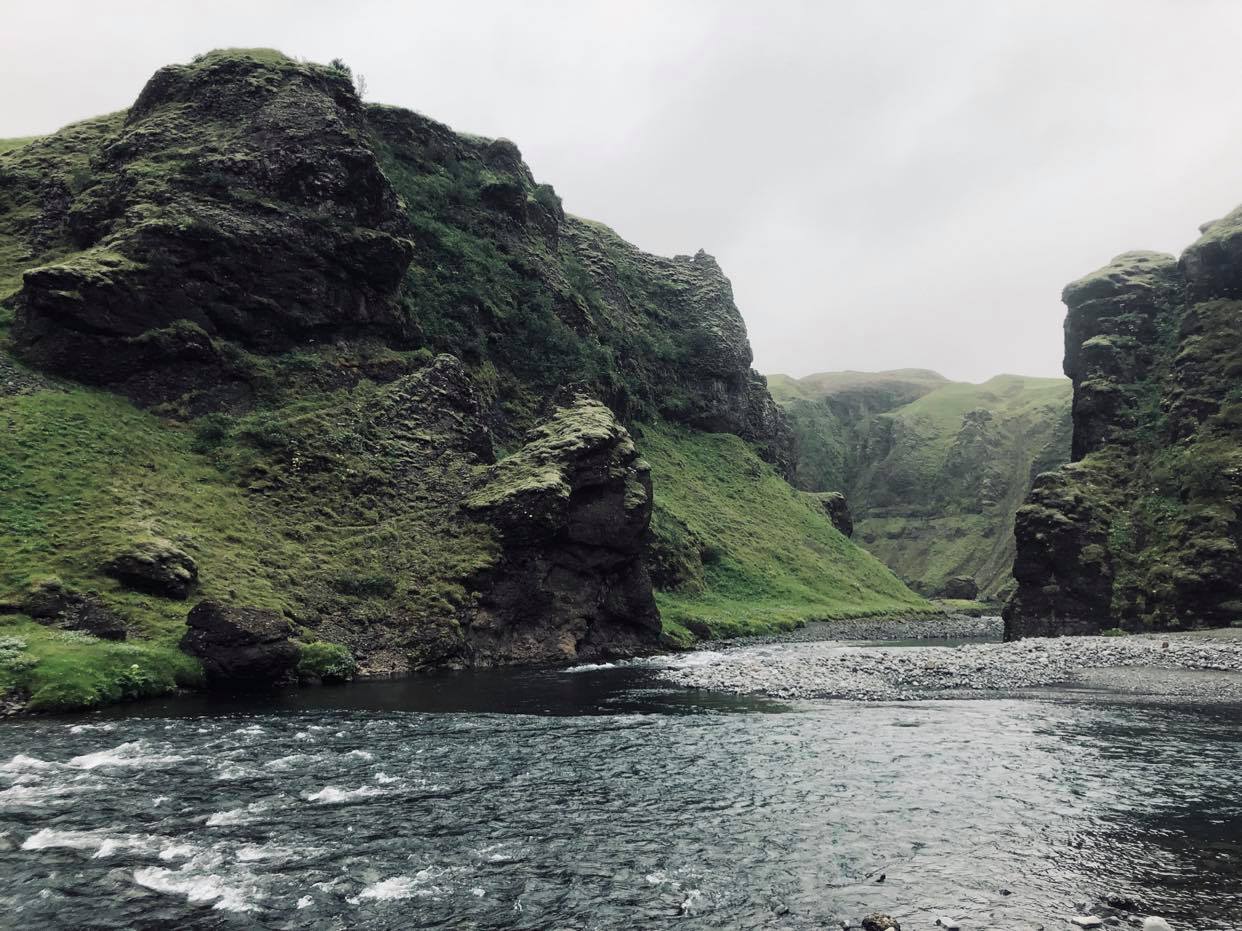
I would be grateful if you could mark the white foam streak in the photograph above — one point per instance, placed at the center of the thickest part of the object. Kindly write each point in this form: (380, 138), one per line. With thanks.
(196, 887)
(132, 754)
(332, 795)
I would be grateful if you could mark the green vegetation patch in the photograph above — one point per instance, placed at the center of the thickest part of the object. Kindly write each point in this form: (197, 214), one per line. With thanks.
(65, 670)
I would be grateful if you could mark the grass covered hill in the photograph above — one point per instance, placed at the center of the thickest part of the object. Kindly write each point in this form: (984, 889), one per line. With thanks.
(934, 470)
(269, 346)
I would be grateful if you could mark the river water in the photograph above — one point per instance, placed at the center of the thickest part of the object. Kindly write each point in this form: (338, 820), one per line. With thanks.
(599, 799)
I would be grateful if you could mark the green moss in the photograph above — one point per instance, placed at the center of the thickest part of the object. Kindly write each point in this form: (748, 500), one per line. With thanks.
(64, 670)
(329, 662)
(767, 558)
(571, 431)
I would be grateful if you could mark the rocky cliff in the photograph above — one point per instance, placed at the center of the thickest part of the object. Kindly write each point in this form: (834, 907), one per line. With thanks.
(1141, 530)
(270, 347)
(933, 470)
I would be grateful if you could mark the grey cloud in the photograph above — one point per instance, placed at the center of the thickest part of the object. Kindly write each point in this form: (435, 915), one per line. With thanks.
(887, 184)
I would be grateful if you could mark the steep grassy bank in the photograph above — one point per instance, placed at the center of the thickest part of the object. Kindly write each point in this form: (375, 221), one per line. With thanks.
(738, 551)
(934, 470)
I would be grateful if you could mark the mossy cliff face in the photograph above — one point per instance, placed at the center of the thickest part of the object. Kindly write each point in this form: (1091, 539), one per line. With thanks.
(236, 200)
(933, 471)
(266, 346)
(572, 508)
(1141, 531)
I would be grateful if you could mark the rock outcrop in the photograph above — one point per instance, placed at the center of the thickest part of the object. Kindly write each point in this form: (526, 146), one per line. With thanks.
(961, 588)
(51, 602)
(837, 508)
(1142, 530)
(572, 508)
(154, 565)
(241, 647)
(236, 200)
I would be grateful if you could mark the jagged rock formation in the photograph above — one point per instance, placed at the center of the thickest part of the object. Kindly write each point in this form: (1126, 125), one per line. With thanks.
(934, 470)
(250, 204)
(572, 508)
(1141, 530)
(236, 199)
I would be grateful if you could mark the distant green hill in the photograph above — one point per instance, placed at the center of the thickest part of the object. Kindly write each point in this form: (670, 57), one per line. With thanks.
(934, 470)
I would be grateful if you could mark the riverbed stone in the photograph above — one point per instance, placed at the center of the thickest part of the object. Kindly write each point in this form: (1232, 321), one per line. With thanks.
(878, 921)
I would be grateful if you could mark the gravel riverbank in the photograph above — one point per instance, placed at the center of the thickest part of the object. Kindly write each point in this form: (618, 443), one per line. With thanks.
(1188, 666)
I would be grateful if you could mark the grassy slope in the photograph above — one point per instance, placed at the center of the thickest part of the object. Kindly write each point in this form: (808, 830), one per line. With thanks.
(822, 384)
(9, 144)
(905, 510)
(772, 559)
(84, 472)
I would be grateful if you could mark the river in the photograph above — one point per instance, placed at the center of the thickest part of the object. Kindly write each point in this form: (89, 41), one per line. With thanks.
(599, 798)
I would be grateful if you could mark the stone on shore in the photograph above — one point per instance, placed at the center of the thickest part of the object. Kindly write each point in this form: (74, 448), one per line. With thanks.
(241, 647)
(877, 921)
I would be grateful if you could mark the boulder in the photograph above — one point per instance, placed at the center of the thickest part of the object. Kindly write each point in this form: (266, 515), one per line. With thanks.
(572, 509)
(961, 588)
(50, 602)
(155, 566)
(877, 921)
(241, 647)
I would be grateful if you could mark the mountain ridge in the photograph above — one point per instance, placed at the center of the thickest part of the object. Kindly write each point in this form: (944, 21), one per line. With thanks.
(363, 371)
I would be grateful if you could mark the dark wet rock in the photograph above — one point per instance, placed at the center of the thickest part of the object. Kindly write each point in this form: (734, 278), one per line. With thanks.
(961, 588)
(265, 222)
(1141, 530)
(572, 508)
(878, 921)
(241, 647)
(437, 644)
(837, 509)
(52, 603)
(156, 566)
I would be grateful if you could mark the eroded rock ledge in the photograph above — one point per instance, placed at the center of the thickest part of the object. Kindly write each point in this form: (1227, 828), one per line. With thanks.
(572, 508)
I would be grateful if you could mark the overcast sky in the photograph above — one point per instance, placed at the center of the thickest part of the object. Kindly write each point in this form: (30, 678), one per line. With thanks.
(887, 184)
